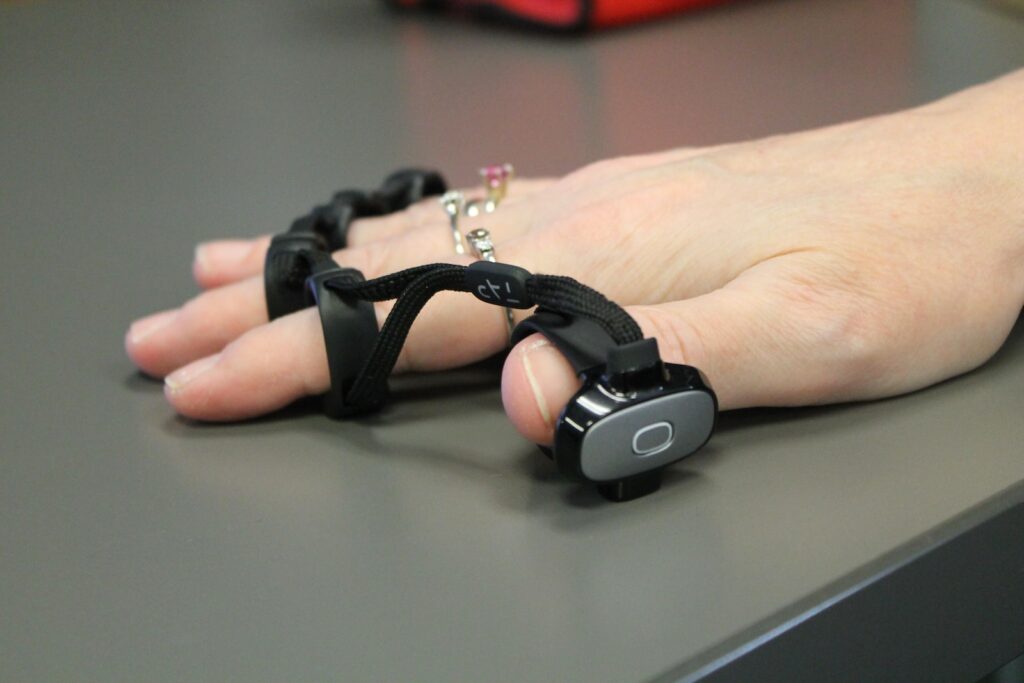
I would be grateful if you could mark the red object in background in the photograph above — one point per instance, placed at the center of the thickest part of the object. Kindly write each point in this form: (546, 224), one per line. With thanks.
(570, 15)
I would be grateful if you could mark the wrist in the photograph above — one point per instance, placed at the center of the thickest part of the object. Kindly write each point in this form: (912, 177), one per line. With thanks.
(982, 136)
(999, 110)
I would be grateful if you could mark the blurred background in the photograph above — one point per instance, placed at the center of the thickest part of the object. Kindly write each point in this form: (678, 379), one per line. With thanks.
(168, 101)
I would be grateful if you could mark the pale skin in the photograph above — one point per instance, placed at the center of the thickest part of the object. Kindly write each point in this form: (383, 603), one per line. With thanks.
(851, 262)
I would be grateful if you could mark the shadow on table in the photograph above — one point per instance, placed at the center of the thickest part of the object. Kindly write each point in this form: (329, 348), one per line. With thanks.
(422, 398)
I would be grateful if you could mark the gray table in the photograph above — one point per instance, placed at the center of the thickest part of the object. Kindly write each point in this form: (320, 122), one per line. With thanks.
(430, 542)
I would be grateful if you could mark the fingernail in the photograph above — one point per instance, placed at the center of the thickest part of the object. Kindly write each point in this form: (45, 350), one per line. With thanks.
(182, 376)
(221, 252)
(540, 359)
(144, 327)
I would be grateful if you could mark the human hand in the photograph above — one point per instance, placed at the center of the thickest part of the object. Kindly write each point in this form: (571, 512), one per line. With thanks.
(852, 262)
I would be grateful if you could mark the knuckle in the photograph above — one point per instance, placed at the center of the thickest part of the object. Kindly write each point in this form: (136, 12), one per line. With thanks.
(374, 258)
(258, 250)
(593, 171)
(841, 324)
(424, 212)
(235, 350)
(194, 311)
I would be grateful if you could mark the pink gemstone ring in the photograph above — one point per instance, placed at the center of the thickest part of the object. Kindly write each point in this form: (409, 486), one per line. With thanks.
(496, 177)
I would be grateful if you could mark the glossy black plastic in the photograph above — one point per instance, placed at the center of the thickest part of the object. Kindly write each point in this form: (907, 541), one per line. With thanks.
(598, 399)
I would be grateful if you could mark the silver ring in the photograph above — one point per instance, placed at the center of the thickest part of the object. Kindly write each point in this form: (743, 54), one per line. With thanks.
(476, 207)
(482, 246)
(453, 202)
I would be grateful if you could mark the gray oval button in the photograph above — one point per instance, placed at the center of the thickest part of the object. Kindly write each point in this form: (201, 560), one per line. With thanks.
(653, 438)
(620, 444)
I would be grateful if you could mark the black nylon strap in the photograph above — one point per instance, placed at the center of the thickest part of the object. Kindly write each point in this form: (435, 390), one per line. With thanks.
(333, 220)
(398, 191)
(325, 229)
(387, 286)
(604, 323)
(408, 186)
(370, 386)
(569, 297)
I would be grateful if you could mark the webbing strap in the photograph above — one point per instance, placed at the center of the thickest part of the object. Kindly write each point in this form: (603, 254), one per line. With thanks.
(495, 283)
(399, 190)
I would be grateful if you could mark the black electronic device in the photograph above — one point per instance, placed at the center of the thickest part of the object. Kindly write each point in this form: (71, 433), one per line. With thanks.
(634, 414)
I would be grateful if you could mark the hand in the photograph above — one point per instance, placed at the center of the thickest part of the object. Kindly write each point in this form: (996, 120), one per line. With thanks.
(851, 262)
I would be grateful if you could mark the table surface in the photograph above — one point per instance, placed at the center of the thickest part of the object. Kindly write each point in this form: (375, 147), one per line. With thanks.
(429, 542)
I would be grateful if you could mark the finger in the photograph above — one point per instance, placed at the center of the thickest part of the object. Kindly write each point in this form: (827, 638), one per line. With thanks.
(161, 343)
(251, 374)
(273, 365)
(220, 262)
(757, 343)
(171, 340)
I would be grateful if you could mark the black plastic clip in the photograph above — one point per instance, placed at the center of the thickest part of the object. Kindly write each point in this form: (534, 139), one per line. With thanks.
(500, 284)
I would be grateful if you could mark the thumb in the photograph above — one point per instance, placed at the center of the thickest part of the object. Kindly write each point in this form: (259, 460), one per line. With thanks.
(749, 338)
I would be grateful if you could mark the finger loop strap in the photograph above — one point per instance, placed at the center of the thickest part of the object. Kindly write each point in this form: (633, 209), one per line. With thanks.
(370, 387)
(583, 342)
(499, 284)
(350, 334)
